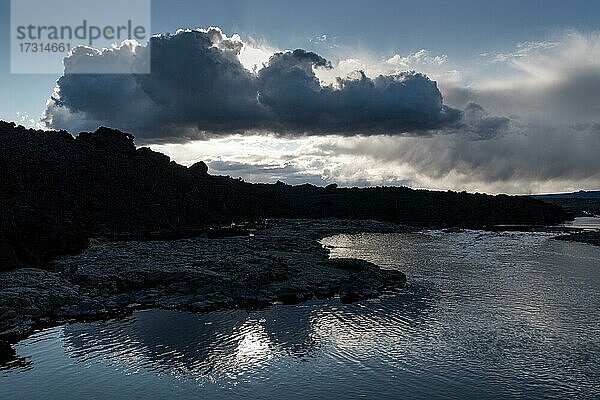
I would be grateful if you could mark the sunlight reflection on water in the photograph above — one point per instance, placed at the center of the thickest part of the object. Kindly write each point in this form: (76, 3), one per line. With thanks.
(484, 314)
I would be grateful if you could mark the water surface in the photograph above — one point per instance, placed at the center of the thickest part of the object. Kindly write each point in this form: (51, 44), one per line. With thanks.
(484, 315)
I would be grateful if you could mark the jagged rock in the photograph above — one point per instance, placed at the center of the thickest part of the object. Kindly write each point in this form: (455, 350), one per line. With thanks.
(180, 287)
(176, 301)
(202, 306)
(290, 297)
(8, 256)
(199, 168)
(152, 157)
(592, 237)
(32, 237)
(325, 292)
(349, 292)
(58, 190)
(6, 352)
(8, 314)
(91, 307)
(281, 263)
(107, 139)
(349, 264)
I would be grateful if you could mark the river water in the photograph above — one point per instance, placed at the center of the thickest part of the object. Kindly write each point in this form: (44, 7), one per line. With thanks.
(483, 315)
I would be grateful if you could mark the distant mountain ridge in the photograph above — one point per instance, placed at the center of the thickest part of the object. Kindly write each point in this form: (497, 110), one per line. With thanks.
(582, 194)
(581, 204)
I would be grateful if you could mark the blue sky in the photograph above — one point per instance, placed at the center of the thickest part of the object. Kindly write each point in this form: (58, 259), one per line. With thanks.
(461, 28)
(524, 74)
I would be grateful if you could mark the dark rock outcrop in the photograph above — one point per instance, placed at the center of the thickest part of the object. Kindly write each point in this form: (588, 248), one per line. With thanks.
(283, 263)
(199, 168)
(7, 353)
(581, 204)
(592, 237)
(57, 190)
(30, 236)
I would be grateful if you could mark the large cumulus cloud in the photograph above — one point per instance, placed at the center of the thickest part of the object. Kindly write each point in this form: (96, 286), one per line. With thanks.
(529, 125)
(199, 88)
(396, 103)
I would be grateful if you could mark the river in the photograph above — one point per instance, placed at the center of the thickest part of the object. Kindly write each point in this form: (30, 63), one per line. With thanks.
(483, 315)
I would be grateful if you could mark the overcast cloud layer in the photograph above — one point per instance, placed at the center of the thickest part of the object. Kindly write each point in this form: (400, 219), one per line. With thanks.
(528, 121)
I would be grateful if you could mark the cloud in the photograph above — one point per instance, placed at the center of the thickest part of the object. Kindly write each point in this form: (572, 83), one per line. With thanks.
(390, 104)
(436, 66)
(529, 120)
(197, 84)
(523, 159)
(481, 125)
(555, 82)
(324, 41)
(421, 57)
(266, 173)
(523, 50)
(198, 88)
(542, 159)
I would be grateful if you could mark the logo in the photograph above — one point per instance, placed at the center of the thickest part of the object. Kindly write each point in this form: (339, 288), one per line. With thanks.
(44, 33)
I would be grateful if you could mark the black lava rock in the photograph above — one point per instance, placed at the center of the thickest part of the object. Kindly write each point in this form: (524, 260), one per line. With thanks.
(57, 190)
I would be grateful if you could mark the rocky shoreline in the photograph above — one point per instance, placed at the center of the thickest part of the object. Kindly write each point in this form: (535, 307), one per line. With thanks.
(591, 237)
(284, 263)
(58, 191)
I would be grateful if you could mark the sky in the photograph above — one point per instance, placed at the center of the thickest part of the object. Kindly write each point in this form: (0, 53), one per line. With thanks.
(505, 97)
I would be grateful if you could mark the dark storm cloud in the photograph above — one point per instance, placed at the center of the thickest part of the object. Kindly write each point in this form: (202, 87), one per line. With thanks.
(574, 96)
(197, 84)
(386, 104)
(549, 143)
(482, 125)
(198, 88)
(541, 154)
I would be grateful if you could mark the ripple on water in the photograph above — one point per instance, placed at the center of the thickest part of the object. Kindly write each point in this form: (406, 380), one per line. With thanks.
(487, 315)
